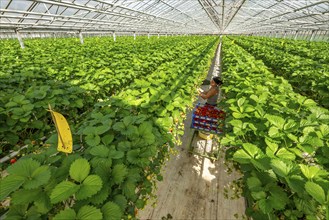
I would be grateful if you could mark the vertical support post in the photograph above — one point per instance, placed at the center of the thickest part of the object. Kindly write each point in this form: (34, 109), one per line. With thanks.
(148, 35)
(308, 35)
(301, 35)
(285, 33)
(81, 37)
(312, 35)
(158, 35)
(114, 37)
(19, 37)
(220, 55)
(304, 35)
(296, 35)
(325, 36)
(166, 35)
(134, 36)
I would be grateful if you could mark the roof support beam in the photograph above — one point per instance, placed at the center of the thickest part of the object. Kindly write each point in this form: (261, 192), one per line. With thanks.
(295, 10)
(230, 17)
(180, 11)
(88, 8)
(48, 18)
(211, 12)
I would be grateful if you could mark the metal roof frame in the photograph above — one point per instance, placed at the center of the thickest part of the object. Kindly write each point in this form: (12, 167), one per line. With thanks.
(164, 16)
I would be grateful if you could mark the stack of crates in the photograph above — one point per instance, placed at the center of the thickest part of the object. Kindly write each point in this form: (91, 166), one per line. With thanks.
(206, 118)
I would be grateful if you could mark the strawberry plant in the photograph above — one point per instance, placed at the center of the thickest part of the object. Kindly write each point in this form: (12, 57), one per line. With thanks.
(277, 138)
(121, 143)
(94, 72)
(307, 76)
(316, 50)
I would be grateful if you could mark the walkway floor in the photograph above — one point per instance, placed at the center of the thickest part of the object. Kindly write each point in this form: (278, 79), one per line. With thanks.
(193, 186)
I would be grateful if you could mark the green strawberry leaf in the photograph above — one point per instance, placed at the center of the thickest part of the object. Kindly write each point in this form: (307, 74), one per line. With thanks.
(79, 169)
(25, 196)
(285, 154)
(9, 184)
(281, 168)
(316, 191)
(63, 191)
(111, 211)
(107, 139)
(39, 177)
(129, 189)
(66, 214)
(93, 140)
(119, 173)
(89, 212)
(90, 186)
(100, 151)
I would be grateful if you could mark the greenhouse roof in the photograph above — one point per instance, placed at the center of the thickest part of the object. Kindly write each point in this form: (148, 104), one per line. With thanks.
(164, 16)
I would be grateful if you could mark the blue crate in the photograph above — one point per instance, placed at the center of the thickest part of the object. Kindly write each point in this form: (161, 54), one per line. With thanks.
(210, 122)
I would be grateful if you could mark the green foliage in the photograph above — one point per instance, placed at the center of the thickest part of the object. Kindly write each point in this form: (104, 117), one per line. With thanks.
(10, 184)
(66, 215)
(101, 195)
(121, 201)
(316, 192)
(277, 137)
(90, 186)
(79, 169)
(111, 211)
(63, 191)
(308, 74)
(119, 172)
(100, 151)
(84, 213)
(120, 133)
(27, 173)
(25, 196)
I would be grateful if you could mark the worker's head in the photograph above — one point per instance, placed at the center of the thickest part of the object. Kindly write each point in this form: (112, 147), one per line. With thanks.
(217, 81)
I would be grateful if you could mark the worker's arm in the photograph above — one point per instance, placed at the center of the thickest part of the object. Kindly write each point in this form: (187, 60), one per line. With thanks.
(208, 94)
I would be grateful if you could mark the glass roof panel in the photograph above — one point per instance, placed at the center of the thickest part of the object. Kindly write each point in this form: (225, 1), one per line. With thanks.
(4, 3)
(18, 5)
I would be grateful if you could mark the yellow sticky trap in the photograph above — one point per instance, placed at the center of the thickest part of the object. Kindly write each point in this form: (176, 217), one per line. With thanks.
(65, 143)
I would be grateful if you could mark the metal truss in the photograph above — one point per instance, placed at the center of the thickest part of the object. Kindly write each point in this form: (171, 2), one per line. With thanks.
(164, 16)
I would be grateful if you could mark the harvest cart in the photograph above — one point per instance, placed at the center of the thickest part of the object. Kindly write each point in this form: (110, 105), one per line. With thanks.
(206, 121)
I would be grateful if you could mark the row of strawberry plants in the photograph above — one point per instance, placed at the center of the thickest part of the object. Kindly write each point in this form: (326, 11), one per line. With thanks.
(23, 113)
(26, 95)
(308, 77)
(277, 138)
(317, 51)
(98, 64)
(120, 147)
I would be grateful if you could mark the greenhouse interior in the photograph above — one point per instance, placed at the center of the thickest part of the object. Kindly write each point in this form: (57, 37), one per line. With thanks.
(164, 109)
